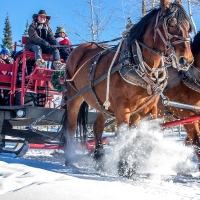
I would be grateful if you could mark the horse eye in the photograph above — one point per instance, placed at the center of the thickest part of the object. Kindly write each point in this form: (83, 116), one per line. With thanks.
(173, 22)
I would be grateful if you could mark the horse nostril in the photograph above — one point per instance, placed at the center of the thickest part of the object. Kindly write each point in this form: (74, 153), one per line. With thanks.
(183, 61)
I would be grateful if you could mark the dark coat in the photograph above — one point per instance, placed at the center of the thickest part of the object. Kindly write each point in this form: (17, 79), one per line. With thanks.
(9, 60)
(36, 36)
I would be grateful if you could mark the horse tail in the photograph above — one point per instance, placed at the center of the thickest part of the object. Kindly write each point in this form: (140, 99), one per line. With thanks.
(82, 122)
(64, 126)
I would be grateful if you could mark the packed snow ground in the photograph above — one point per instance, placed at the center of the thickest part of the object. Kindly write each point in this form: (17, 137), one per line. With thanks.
(165, 169)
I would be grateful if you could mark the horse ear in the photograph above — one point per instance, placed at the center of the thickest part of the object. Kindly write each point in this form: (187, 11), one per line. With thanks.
(165, 5)
(179, 1)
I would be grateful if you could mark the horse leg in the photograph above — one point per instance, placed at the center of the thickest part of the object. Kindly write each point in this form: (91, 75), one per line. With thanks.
(98, 131)
(135, 119)
(197, 143)
(150, 109)
(122, 113)
(99, 152)
(154, 112)
(193, 138)
(71, 126)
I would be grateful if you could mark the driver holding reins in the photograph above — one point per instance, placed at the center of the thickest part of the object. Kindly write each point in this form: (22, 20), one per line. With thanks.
(40, 40)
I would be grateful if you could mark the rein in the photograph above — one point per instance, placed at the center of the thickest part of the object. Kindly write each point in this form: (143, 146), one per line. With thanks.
(69, 80)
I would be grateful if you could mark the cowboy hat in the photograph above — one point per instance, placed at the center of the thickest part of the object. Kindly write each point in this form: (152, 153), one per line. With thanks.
(42, 13)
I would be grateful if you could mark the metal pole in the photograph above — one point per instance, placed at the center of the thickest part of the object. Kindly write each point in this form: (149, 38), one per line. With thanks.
(180, 105)
(189, 120)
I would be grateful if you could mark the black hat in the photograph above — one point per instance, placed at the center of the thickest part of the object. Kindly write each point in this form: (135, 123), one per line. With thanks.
(43, 13)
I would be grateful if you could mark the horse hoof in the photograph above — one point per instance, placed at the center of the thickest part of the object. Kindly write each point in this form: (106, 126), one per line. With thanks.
(99, 154)
(124, 170)
(69, 162)
(100, 165)
(187, 174)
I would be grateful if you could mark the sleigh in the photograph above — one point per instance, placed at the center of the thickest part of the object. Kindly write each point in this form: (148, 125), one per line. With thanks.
(24, 122)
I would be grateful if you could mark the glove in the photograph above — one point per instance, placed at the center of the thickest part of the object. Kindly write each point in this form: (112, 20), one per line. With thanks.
(45, 43)
(54, 42)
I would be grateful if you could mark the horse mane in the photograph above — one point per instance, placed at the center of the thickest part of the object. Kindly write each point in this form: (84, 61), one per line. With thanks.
(195, 44)
(176, 10)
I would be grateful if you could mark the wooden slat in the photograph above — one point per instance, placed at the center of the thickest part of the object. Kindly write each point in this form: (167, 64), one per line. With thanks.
(6, 67)
(5, 78)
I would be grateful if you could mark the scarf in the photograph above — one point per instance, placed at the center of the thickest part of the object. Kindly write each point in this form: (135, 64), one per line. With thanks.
(42, 29)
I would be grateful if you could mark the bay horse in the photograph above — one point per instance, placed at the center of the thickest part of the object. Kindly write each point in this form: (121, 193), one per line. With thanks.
(160, 37)
(186, 90)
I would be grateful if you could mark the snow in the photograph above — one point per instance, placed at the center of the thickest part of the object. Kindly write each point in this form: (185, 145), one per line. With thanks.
(165, 169)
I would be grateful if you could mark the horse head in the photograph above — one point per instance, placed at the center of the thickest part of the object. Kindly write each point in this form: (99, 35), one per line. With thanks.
(165, 31)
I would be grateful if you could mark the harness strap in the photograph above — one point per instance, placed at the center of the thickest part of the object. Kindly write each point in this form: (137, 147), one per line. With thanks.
(142, 72)
(104, 76)
(174, 82)
(161, 36)
(92, 73)
(107, 103)
(73, 77)
(151, 49)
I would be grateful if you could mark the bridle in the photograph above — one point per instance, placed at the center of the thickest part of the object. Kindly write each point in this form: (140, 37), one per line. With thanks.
(166, 38)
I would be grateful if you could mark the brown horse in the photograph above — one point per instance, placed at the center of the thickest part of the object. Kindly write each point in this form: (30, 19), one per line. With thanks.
(160, 37)
(186, 90)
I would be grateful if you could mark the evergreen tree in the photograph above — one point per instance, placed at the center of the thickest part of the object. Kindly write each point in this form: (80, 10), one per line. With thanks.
(7, 33)
(26, 30)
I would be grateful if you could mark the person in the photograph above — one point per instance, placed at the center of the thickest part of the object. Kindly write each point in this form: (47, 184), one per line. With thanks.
(40, 39)
(62, 39)
(5, 59)
(5, 56)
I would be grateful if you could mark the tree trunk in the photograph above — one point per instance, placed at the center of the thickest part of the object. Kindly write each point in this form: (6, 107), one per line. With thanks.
(190, 15)
(92, 17)
(144, 7)
(153, 3)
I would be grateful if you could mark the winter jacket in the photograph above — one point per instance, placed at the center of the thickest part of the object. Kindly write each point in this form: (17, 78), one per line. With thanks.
(9, 60)
(38, 34)
(64, 41)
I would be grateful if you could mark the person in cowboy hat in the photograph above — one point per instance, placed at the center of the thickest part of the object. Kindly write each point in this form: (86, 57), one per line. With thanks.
(62, 39)
(40, 39)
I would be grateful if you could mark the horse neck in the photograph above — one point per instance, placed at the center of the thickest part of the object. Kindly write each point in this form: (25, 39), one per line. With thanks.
(197, 61)
(152, 59)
